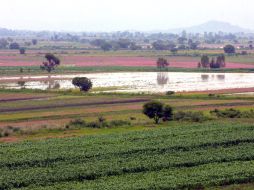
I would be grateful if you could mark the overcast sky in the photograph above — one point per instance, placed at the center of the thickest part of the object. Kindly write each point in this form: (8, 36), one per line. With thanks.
(113, 15)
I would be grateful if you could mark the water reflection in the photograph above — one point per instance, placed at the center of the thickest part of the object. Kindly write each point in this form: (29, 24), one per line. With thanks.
(137, 81)
(21, 84)
(204, 77)
(51, 84)
(162, 78)
(221, 77)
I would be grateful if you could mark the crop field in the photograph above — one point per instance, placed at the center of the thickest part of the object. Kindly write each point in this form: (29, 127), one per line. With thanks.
(118, 58)
(66, 139)
(193, 156)
(36, 111)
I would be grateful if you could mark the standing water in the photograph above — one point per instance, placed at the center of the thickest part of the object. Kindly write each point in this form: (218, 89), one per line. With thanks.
(137, 81)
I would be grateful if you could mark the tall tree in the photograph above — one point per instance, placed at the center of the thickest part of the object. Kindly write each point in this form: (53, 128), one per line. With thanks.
(51, 63)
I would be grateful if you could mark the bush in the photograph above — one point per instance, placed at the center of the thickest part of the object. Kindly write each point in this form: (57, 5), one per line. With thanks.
(189, 116)
(22, 50)
(229, 49)
(77, 122)
(157, 110)
(233, 113)
(101, 119)
(228, 113)
(83, 83)
(94, 124)
(167, 113)
(100, 123)
(9, 130)
(118, 123)
(170, 93)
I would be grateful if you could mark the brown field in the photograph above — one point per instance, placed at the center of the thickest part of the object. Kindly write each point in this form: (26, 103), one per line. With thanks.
(35, 58)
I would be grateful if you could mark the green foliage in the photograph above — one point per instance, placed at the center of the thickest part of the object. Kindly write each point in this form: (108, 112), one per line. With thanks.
(51, 63)
(220, 62)
(14, 45)
(169, 93)
(7, 131)
(106, 46)
(189, 116)
(183, 157)
(34, 41)
(229, 49)
(22, 50)
(162, 63)
(3, 43)
(167, 113)
(100, 123)
(233, 113)
(157, 110)
(153, 110)
(77, 122)
(83, 83)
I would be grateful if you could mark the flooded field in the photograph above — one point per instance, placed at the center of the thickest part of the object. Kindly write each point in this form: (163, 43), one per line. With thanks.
(137, 81)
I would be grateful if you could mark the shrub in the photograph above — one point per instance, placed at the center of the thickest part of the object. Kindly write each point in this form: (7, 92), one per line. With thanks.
(157, 110)
(228, 113)
(153, 110)
(170, 93)
(101, 119)
(118, 123)
(167, 113)
(100, 123)
(233, 113)
(94, 124)
(77, 122)
(189, 116)
(83, 83)
(230, 49)
(7, 131)
(22, 50)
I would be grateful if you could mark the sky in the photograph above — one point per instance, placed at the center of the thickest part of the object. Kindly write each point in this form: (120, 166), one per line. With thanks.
(116, 15)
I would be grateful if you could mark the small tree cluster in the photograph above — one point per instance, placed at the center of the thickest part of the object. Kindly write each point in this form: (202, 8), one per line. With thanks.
(22, 50)
(83, 83)
(51, 63)
(157, 110)
(220, 62)
(229, 49)
(14, 45)
(162, 63)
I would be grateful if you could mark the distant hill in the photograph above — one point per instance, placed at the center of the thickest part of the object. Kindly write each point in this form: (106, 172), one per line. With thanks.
(213, 26)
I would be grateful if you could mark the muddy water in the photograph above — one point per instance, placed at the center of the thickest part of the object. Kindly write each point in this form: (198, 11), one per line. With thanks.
(138, 81)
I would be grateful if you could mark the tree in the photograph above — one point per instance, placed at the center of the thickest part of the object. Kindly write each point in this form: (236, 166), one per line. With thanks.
(51, 63)
(153, 110)
(162, 63)
(83, 83)
(3, 43)
(106, 46)
(157, 110)
(230, 49)
(217, 63)
(193, 46)
(34, 41)
(14, 45)
(167, 113)
(205, 63)
(174, 50)
(22, 50)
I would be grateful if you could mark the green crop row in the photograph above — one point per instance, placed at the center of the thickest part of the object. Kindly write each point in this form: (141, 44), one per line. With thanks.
(172, 154)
